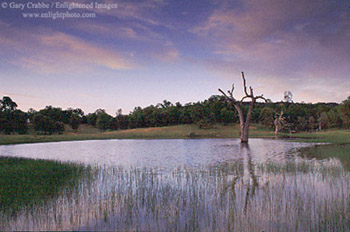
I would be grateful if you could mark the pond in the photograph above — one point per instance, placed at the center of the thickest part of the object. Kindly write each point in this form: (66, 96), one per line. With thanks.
(193, 184)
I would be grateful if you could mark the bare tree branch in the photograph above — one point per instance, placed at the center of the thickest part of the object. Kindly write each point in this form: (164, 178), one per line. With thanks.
(251, 91)
(261, 97)
(230, 97)
(245, 97)
(244, 85)
(232, 89)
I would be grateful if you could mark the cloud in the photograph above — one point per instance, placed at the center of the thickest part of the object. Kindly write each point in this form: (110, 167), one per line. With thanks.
(139, 26)
(46, 51)
(261, 26)
(295, 43)
(142, 11)
(145, 12)
(165, 54)
(151, 45)
(76, 50)
(116, 30)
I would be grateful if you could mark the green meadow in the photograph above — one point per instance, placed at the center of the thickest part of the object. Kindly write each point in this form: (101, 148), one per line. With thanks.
(86, 132)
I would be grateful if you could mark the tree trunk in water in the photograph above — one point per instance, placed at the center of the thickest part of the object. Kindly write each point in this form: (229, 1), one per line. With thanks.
(278, 124)
(244, 124)
(245, 133)
(277, 127)
(276, 132)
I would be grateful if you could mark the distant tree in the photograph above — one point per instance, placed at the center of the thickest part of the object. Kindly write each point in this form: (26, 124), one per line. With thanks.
(279, 122)
(186, 115)
(6, 122)
(288, 96)
(166, 104)
(19, 121)
(56, 114)
(244, 121)
(301, 124)
(58, 127)
(324, 121)
(78, 112)
(344, 112)
(5, 125)
(227, 116)
(103, 121)
(11, 119)
(40, 122)
(31, 113)
(137, 118)
(7, 104)
(75, 122)
(47, 125)
(119, 112)
(334, 118)
(66, 115)
(267, 116)
(83, 120)
(123, 121)
(91, 119)
(311, 123)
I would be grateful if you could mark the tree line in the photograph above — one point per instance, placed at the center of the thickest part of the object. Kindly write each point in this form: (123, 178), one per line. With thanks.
(214, 110)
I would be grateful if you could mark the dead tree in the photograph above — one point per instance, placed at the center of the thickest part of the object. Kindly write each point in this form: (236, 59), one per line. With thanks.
(244, 121)
(279, 123)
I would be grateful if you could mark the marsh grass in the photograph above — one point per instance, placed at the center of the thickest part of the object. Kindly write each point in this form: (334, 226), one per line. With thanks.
(240, 196)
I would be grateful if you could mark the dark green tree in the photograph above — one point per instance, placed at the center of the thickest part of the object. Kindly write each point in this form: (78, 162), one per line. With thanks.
(344, 112)
(75, 122)
(7, 104)
(103, 121)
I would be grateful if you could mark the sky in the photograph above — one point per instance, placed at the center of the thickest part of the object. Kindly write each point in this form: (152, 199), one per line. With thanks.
(138, 53)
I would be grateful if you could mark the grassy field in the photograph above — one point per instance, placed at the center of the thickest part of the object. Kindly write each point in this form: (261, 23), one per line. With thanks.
(175, 132)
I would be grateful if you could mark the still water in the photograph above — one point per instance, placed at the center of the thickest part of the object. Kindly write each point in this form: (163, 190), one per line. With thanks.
(182, 185)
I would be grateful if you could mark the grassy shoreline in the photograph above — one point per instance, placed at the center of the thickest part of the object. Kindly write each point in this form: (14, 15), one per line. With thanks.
(27, 182)
(177, 132)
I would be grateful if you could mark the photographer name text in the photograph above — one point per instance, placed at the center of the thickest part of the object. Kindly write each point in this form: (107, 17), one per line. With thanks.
(59, 5)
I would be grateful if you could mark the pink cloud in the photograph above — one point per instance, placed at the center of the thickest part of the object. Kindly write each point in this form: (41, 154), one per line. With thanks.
(56, 52)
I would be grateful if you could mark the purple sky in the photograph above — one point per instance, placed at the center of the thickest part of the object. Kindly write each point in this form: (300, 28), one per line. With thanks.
(143, 52)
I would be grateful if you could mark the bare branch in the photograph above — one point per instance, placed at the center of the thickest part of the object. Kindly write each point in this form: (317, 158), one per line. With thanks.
(223, 93)
(230, 97)
(245, 97)
(244, 85)
(231, 92)
(261, 97)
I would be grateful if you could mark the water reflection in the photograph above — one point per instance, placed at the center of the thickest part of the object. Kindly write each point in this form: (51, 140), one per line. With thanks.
(249, 170)
(258, 187)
